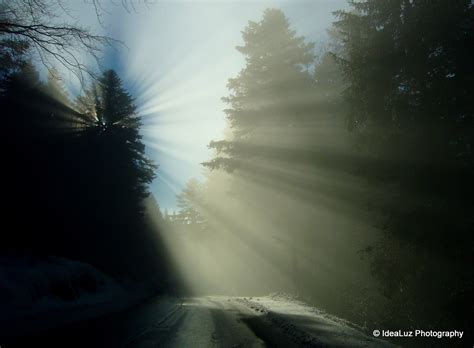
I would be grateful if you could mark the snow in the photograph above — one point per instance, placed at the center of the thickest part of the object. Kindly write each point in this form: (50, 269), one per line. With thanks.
(36, 295)
(209, 321)
(310, 326)
(222, 321)
(40, 294)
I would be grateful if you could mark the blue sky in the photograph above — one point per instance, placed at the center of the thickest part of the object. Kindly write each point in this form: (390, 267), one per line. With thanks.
(176, 60)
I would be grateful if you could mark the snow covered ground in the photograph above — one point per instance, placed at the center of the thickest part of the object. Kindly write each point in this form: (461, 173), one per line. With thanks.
(210, 321)
(39, 294)
(310, 326)
(271, 321)
(72, 295)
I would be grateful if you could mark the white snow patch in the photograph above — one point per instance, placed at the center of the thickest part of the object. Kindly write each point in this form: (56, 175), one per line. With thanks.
(311, 326)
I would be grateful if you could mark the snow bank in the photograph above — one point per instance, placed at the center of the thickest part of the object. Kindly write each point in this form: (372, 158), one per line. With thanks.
(40, 294)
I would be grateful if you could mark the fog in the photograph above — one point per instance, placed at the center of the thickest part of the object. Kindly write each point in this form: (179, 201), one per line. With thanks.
(317, 149)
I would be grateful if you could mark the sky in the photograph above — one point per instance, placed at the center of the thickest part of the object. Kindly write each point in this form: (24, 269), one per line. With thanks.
(176, 59)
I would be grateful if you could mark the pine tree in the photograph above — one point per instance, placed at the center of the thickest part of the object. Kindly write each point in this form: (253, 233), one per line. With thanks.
(56, 89)
(410, 87)
(115, 173)
(116, 104)
(119, 141)
(272, 92)
(190, 202)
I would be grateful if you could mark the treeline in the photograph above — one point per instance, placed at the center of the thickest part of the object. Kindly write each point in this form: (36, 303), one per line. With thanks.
(75, 175)
(410, 75)
(346, 178)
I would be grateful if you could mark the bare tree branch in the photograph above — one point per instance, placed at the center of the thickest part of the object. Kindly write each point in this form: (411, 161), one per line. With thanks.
(40, 23)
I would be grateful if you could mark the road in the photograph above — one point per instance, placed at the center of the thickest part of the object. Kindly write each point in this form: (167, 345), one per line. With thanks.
(211, 321)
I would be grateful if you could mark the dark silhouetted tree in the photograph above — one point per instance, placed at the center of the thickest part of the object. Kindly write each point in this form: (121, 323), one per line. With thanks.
(81, 181)
(117, 119)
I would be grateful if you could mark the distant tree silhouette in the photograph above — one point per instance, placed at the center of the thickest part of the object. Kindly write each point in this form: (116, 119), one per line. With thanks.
(190, 202)
(56, 88)
(273, 90)
(12, 58)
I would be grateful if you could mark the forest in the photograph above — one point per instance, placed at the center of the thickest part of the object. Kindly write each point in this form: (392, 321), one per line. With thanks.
(342, 179)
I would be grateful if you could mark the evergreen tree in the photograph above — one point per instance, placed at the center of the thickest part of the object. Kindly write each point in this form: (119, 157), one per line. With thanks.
(119, 142)
(190, 202)
(56, 89)
(81, 181)
(12, 59)
(286, 147)
(411, 115)
(114, 179)
(272, 92)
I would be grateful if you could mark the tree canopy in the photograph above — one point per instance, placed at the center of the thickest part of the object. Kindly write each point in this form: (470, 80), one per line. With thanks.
(410, 81)
(78, 168)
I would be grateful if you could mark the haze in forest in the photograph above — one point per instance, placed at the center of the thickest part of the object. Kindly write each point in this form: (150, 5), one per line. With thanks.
(321, 150)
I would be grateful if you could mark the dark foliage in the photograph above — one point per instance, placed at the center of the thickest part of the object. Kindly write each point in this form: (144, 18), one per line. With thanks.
(74, 179)
(410, 74)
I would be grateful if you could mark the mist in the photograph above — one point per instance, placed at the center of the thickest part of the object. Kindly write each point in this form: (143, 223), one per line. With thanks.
(236, 173)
